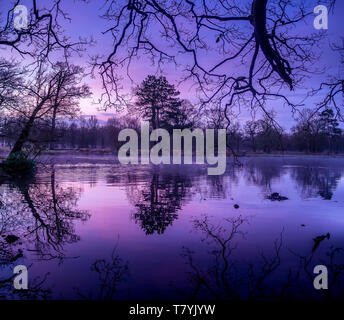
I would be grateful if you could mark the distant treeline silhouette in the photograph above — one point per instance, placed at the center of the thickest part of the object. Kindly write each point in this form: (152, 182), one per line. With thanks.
(318, 134)
(159, 102)
(60, 125)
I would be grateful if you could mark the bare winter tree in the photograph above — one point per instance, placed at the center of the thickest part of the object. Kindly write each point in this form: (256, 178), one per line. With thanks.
(43, 33)
(10, 80)
(251, 129)
(49, 93)
(257, 36)
(68, 90)
(334, 87)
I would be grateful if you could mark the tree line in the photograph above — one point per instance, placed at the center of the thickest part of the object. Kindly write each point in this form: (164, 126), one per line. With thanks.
(158, 102)
(161, 106)
(40, 93)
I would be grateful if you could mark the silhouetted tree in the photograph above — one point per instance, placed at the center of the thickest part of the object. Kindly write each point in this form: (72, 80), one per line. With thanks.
(258, 34)
(251, 129)
(158, 102)
(329, 128)
(11, 79)
(69, 90)
(316, 132)
(92, 128)
(43, 34)
(269, 133)
(50, 92)
(333, 88)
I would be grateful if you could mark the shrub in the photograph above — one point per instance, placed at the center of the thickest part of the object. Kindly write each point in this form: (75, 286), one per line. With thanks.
(19, 164)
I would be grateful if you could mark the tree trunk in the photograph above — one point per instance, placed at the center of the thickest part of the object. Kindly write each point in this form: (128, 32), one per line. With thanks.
(24, 135)
(262, 39)
(55, 205)
(52, 131)
(153, 118)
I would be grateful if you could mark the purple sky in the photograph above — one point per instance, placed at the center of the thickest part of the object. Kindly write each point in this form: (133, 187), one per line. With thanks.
(85, 21)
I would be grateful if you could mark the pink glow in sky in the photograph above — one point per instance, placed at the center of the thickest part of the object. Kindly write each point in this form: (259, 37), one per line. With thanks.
(86, 22)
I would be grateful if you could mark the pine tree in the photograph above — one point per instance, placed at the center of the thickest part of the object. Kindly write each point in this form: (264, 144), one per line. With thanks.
(158, 102)
(329, 127)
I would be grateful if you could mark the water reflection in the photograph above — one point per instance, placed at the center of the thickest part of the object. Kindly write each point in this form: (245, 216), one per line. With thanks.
(158, 200)
(216, 271)
(314, 181)
(111, 272)
(48, 211)
(262, 173)
(51, 212)
(45, 215)
(39, 218)
(317, 177)
(281, 273)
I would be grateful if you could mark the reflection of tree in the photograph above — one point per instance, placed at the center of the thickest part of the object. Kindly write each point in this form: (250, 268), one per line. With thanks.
(11, 220)
(212, 187)
(111, 273)
(314, 181)
(43, 214)
(159, 200)
(217, 186)
(36, 290)
(54, 211)
(262, 173)
(230, 278)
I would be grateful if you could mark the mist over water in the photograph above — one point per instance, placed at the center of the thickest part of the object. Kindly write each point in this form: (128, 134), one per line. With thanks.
(90, 227)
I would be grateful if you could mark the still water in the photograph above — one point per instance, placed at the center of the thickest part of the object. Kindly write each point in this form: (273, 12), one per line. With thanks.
(90, 228)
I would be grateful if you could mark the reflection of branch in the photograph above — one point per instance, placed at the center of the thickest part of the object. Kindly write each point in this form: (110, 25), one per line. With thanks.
(218, 278)
(35, 288)
(256, 280)
(223, 239)
(110, 274)
(47, 216)
(229, 279)
(335, 270)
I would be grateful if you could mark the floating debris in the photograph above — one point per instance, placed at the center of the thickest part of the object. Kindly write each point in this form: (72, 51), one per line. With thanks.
(317, 240)
(236, 206)
(11, 238)
(276, 197)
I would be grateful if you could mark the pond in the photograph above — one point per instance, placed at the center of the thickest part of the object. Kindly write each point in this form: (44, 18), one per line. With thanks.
(91, 228)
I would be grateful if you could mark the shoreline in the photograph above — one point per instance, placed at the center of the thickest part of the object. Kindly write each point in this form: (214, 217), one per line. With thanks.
(241, 154)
